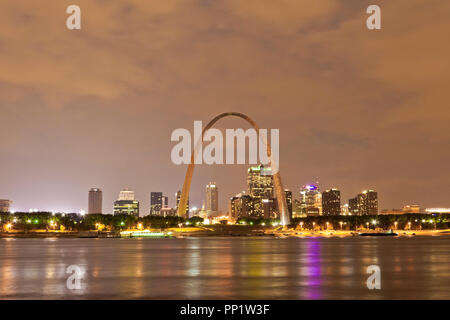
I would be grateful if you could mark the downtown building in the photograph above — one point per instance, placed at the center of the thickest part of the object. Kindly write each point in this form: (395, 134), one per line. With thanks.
(259, 202)
(126, 204)
(310, 200)
(365, 203)
(331, 202)
(177, 201)
(95, 201)
(156, 203)
(5, 205)
(212, 198)
(260, 188)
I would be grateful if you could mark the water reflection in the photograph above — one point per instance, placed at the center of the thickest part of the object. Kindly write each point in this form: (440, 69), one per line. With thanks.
(230, 268)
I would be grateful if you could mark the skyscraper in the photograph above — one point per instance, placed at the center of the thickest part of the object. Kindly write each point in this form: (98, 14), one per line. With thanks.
(260, 182)
(241, 206)
(126, 204)
(260, 189)
(156, 203)
(353, 206)
(178, 197)
(331, 202)
(310, 200)
(95, 201)
(212, 197)
(288, 194)
(367, 202)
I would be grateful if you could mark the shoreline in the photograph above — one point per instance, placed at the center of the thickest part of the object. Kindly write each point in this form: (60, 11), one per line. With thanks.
(213, 233)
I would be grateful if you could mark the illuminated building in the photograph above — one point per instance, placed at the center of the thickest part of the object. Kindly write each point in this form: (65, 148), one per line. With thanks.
(288, 194)
(95, 201)
(178, 197)
(165, 202)
(413, 208)
(437, 210)
(297, 209)
(126, 207)
(393, 211)
(242, 206)
(310, 200)
(353, 206)
(260, 182)
(331, 202)
(212, 198)
(126, 194)
(260, 187)
(345, 210)
(368, 203)
(156, 203)
(5, 205)
(126, 204)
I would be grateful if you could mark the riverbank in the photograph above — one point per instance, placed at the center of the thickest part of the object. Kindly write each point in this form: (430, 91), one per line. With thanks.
(218, 231)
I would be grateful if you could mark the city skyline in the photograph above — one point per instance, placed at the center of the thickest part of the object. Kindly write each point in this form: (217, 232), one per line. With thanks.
(351, 108)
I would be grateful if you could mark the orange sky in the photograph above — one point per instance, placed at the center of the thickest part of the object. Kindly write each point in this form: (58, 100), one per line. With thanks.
(356, 108)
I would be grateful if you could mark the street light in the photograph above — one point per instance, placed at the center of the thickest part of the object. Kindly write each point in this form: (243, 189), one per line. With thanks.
(340, 222)
(395, 225)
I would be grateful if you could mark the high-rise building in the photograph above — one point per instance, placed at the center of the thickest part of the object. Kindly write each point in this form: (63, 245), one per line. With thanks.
(260, 189)
(260, 182)
(310, 200)
(353, 206)
(288, 195)
(241, 206)
(126, 204)
(5, 205)
(368, 203)
(165, 202)
(156, 203)
(331, 202)
(212, 197)
(178, 197)
(95, 201)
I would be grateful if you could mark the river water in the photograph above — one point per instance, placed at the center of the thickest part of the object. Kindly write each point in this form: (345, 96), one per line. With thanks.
(224, 268)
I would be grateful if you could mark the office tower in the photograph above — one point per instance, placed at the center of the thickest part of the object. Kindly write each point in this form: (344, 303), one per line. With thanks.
(126, 204)
(353, 206)
(156, 203)
(331, 202)
(95, 201)
(311, 200)
(241, 206)
(288, 195)
(368, 203)
(178, 197)
(212, 197)
(297, 209)
(165, 202)
(126, 194)
(5, 205)
(260, 182)
(260, 187)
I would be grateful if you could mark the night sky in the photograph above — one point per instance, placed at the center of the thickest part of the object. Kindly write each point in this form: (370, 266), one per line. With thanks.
(356, 108)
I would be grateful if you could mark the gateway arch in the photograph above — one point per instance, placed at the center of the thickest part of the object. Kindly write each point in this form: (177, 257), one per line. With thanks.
(279, 190)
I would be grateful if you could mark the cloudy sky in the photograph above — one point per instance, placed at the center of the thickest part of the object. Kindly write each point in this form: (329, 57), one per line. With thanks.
(96, 107)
